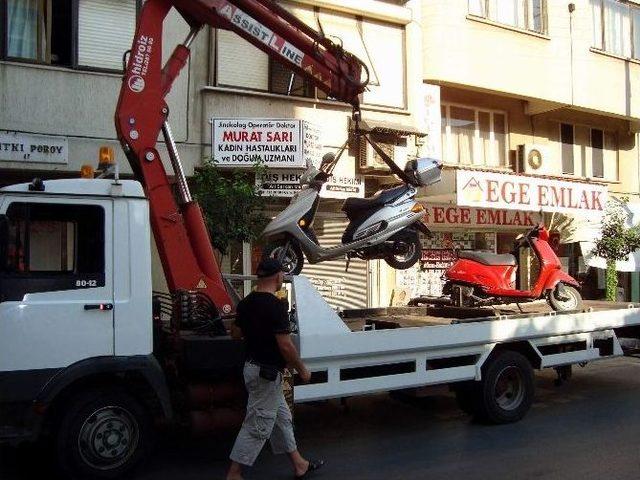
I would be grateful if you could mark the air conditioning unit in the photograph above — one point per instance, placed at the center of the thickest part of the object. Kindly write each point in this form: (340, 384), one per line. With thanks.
(534, 160)
(370, 161)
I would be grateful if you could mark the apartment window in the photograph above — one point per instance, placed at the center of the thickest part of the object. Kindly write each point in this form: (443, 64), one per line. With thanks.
(567, 142)
(616, 27)
(597, 153)
(588, 152)
(380, 46)
(474, 136)
(524, 14)
(285, 81)
(72, 33)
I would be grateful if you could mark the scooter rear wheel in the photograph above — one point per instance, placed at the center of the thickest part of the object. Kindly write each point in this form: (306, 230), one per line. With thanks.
(411, 250)
(288, 253)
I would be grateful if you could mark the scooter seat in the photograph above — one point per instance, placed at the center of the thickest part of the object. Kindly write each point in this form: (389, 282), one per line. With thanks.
(489, 258)
(385, 196)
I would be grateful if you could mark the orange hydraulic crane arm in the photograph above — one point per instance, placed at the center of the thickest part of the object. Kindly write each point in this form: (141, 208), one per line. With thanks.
(178, 224)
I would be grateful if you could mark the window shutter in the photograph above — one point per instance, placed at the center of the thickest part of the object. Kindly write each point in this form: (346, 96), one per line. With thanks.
(239, 63)
(385, 45)
(105, 32)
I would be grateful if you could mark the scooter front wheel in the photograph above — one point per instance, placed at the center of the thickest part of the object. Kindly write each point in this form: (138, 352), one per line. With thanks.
(288, 253)
(565, 298)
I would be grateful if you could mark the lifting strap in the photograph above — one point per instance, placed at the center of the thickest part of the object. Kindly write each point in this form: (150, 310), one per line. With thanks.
(387, 159)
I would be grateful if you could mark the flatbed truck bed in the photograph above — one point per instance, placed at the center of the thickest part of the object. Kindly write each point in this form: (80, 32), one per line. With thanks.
(486, 355)
(423, 316)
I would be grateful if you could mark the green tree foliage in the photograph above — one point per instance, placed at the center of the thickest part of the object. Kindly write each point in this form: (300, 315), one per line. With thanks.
(616, 243)
(232, 205)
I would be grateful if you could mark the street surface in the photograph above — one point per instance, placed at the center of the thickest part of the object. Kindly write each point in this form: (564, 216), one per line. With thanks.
(586, 429)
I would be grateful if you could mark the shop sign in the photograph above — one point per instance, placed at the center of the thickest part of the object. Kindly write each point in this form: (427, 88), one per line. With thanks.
(24, 147)
(520, 192)
(277, 143)
(433, 121)
(452, 216)
(279, 183)
(437, 257)
(343, 186)
(285, 183)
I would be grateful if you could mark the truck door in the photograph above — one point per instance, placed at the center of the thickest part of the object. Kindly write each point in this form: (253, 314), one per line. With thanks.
(56, 283)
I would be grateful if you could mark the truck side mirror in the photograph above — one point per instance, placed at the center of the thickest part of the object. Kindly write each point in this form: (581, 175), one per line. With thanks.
(4, 241)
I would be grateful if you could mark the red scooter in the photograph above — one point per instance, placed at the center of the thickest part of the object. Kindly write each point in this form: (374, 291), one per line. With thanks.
(479, 278)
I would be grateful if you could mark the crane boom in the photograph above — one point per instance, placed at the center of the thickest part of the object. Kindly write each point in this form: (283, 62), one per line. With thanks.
(178, 224)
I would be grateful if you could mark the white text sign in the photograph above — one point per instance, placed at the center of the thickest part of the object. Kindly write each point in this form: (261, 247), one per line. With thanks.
(277, 143)
(24, 147)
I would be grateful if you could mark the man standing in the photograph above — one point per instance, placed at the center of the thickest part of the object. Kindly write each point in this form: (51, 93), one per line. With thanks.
(262, 320)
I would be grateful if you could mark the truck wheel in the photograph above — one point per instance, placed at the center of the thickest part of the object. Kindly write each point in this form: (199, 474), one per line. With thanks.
(506, 391)
(103, 434)
(565, 298)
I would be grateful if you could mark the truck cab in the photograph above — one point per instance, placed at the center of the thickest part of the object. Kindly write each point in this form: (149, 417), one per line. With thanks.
(82, 312)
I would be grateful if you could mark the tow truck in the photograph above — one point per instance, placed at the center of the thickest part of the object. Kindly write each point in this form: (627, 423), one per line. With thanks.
(93, 361)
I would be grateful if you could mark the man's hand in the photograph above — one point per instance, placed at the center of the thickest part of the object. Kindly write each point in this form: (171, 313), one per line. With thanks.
(305, 374)
(290, 354)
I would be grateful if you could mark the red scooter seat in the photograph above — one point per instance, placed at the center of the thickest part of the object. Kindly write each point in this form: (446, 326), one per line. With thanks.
(489, 258)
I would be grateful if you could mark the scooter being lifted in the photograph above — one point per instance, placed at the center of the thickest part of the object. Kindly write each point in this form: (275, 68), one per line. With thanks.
(479, 278)
(384, 226)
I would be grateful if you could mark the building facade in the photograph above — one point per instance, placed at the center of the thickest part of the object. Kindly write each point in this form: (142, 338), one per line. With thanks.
(60, 74)
(541, 89)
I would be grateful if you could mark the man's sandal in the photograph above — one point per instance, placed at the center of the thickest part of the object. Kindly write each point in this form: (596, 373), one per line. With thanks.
(313, 466)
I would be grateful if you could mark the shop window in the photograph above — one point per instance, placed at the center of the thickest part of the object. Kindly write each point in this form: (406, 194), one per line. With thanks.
(43, 31)
(52, 247)
(616, 27)
(474, 137)
(524, 14)
(505, 242)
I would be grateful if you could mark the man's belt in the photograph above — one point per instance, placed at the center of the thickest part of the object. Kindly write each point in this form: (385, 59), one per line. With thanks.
(265, 365)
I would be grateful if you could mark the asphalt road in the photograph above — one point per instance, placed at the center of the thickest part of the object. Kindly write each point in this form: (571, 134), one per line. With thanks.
(586, 429)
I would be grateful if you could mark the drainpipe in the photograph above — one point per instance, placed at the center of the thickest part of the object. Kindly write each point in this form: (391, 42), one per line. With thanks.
(572, 8)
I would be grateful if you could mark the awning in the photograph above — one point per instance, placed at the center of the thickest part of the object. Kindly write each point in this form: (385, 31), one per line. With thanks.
(585, 230)
(389, 128)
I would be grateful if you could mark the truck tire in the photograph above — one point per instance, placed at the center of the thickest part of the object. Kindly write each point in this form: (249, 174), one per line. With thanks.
(506, 391)
(103, 434)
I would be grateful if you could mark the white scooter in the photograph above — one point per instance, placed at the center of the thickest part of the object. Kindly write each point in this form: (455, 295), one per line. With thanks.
(384, 226)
